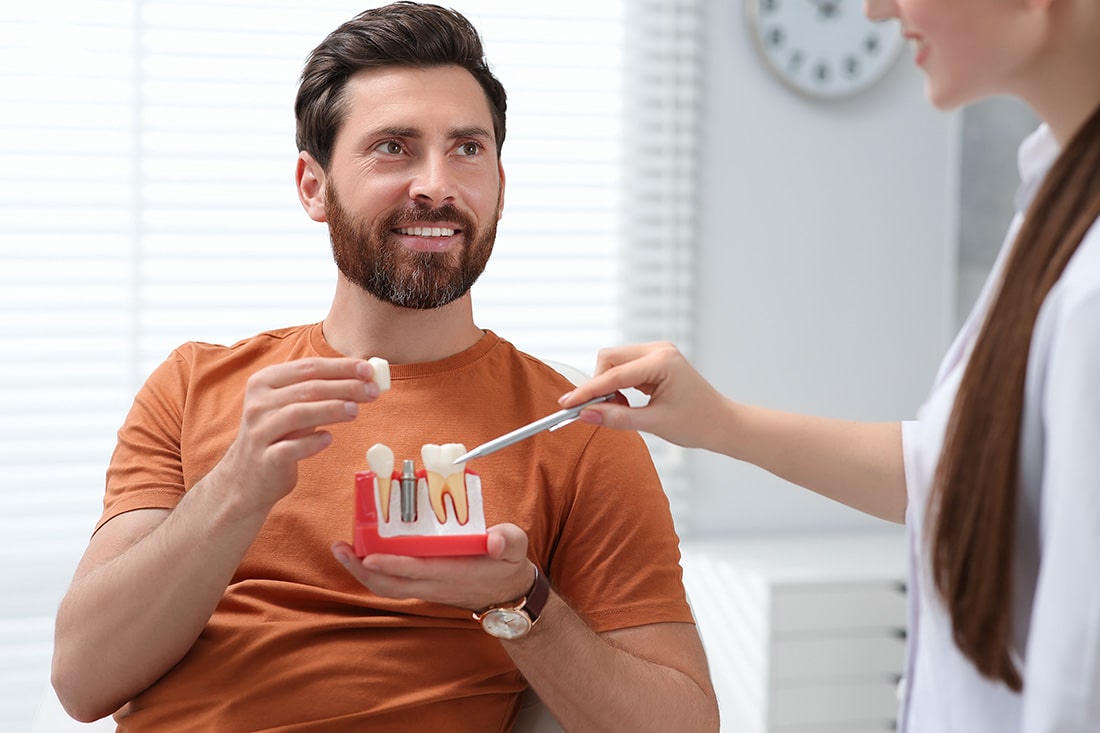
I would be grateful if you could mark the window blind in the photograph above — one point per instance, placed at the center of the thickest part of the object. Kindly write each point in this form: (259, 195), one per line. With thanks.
(662, 96)
(148, 199)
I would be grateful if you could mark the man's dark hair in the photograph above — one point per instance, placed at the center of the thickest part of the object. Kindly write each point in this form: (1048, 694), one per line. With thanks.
(400, 34)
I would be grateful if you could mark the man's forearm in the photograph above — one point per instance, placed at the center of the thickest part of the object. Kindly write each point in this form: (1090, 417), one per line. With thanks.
(142, 597)
(595, 682)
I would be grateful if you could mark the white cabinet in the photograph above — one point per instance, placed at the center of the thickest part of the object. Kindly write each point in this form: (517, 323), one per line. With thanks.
(804, 634)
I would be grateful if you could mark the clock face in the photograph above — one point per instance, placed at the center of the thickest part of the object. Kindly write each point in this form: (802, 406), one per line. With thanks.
(825, 49)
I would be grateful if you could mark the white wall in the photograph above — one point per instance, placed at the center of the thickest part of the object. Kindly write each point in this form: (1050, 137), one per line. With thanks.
(827, 262)
(991, 133)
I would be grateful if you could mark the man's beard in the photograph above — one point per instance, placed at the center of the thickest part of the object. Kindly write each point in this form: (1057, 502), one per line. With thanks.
(374, 260)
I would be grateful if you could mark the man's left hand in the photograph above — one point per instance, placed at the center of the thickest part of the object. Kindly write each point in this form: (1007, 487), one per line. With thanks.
(503, 574)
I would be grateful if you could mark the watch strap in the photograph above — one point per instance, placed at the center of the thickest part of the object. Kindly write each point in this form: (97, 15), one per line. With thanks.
(538, 596)
(532, 604)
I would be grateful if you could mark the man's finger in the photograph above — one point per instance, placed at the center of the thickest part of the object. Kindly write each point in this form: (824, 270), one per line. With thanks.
(301, 370)
(507, 542)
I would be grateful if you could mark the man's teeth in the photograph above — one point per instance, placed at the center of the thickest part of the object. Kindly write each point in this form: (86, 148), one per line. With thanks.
(380, 460)
(444, 477)
(427, 231)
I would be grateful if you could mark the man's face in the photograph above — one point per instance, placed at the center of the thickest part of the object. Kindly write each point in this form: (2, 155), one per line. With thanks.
(415, 189)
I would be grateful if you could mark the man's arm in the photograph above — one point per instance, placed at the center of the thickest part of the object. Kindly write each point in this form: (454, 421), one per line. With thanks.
(647, 678)
(144, 590)
(151, 578)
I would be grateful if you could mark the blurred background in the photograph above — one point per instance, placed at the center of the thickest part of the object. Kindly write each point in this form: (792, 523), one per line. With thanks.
(662, 184)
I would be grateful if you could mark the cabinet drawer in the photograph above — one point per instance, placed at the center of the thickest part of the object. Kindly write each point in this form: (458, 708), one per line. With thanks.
(838, 659)
(865, 704)
(837, 606)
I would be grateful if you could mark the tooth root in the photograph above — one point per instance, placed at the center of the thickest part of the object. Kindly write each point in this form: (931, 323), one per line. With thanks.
(385, 489)
(456, 480)
(436, 486)
(380, 460)
(456, 487)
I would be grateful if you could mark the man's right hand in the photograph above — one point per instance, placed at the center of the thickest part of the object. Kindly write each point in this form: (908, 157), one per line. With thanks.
(141, 594)
(285, 408)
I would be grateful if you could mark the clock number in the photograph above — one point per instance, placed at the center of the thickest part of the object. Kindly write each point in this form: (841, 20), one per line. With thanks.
(871, 43)
(851, 66)
(821, 73)
(769, 6)
(775, 36)
(794, 63)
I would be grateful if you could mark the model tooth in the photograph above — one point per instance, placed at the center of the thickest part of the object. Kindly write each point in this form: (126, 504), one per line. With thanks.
(446, 478)
(381, 372)
(380, 460)
(432, 455)
(449, 453)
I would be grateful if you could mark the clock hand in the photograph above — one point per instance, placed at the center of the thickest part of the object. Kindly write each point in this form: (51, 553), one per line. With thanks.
(826, 8)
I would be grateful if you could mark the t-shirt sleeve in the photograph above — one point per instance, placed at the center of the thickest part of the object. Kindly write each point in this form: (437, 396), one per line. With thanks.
(617, 561)
(146, 470)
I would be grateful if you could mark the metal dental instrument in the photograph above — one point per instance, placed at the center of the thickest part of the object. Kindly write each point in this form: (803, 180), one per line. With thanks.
(559, 419)
(408, 492)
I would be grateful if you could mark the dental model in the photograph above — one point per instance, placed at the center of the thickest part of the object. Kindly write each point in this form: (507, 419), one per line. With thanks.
(388, 502)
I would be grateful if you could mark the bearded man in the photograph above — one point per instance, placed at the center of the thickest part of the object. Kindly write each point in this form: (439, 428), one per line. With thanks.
(217, 592)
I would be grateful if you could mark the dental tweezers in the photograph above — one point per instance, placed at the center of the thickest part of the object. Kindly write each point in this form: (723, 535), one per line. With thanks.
(559, 419)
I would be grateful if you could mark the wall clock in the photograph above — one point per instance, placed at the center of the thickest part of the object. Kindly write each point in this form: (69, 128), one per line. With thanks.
(824, 49)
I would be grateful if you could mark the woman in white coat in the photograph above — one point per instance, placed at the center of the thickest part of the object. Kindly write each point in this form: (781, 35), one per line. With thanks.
(998, 478)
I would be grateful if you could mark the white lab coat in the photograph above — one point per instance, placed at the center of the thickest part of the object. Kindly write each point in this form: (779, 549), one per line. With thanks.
(1056, 600)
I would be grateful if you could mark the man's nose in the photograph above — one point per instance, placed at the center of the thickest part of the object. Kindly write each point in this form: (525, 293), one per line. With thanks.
(880, 9)
(433, 179)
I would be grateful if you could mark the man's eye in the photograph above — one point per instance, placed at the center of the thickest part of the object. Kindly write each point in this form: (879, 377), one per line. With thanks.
(390, 147)
(470, 148)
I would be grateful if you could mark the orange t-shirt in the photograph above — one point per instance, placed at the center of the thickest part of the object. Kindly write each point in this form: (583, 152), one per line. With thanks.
(297, 643)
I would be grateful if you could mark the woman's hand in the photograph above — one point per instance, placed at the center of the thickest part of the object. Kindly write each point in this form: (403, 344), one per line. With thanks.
(683, 407)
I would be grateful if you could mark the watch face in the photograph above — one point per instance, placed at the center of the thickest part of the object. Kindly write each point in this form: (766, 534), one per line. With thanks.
(506, 623)
(824, 49)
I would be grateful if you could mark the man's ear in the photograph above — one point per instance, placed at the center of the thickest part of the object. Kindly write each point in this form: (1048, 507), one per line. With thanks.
(500, 203)
(310, 178)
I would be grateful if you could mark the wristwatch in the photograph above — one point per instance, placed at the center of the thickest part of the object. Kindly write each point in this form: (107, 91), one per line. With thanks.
(514, 620)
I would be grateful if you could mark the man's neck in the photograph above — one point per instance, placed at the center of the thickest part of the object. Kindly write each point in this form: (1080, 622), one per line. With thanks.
(360, 325)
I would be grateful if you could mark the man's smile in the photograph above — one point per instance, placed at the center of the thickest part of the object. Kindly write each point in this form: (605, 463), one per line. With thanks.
(426, 231)
(428, 238)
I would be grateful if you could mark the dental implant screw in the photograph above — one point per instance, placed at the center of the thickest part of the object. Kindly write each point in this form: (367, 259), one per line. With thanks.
(408, 492)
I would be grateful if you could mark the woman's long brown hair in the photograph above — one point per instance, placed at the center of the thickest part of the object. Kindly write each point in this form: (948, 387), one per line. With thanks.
(974, 498)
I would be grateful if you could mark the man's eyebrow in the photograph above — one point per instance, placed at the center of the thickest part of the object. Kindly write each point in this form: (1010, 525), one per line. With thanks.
(455, 133)
(472, 131)
(397, 132)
